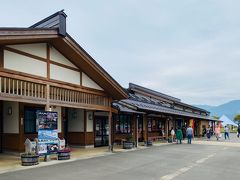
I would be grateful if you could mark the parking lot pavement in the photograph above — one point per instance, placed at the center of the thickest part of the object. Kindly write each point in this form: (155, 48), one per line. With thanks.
(172, 161)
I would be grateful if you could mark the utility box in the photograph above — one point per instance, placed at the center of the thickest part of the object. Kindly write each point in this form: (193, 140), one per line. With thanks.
(30, 146)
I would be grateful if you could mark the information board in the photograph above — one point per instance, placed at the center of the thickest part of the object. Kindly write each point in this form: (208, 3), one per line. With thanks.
(47, 132)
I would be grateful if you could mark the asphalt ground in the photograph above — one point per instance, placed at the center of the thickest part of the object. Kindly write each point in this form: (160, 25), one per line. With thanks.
(200, 160)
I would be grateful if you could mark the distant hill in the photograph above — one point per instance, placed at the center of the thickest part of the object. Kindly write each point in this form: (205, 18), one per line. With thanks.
(230, 109)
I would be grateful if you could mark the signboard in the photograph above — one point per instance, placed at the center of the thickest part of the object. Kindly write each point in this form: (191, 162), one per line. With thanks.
(47, 132)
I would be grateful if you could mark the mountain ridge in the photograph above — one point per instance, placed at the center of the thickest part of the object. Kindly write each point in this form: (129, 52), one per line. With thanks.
(230, 109)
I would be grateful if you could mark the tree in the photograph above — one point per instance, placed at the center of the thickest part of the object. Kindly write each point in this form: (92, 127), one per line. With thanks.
(216, 117)
(237, 119)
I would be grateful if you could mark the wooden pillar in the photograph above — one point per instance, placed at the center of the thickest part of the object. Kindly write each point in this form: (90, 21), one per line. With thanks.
(21, 127)
(85, 127)
(145, 125)
(134, 127)
(47, 97)
(166, 127)
(110, 146)
(137, 117)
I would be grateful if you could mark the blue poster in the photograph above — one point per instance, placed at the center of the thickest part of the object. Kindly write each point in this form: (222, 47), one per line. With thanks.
(47, 132)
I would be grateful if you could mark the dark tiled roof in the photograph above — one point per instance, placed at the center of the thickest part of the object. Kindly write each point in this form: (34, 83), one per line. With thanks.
(156, 108)
(150, 91)
(176, 101)
(123, 108)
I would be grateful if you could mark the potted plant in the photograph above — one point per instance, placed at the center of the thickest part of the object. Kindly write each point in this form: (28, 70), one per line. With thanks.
(29, 159)
(64, 154)
(129, 143)
(149, 143)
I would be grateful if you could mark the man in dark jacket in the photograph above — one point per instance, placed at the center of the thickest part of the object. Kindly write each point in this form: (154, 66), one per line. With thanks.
(238, 130)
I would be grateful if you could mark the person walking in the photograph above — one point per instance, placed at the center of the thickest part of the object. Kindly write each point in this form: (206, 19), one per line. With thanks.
(172, 134)
(217, 132)
(179, 135)
(184, 132)
(189, 134)
(226, 133)
(238, 131)
(208, 133)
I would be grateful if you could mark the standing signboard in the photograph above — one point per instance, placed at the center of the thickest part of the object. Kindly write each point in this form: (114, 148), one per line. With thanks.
(47, 132)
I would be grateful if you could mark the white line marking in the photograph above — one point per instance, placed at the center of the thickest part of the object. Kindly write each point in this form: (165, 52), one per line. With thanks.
(185, 169)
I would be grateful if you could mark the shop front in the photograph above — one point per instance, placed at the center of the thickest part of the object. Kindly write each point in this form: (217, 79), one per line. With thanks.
(45, 69)
(159, 114)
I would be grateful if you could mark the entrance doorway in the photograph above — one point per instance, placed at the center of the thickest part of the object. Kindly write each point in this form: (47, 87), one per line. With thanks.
(101, 131)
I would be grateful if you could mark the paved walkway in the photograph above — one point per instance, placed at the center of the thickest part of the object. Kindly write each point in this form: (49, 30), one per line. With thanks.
(172, 161)
(11, 162)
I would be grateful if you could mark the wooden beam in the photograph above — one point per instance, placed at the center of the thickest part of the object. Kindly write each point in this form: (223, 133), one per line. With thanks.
(48, 61)
(1, 57)
(41, 80)
(15, 98)
(79, 105)
(25, 54)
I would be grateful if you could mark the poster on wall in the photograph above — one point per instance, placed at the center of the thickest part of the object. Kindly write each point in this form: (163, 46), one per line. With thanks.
(47, 132)
(47, 120)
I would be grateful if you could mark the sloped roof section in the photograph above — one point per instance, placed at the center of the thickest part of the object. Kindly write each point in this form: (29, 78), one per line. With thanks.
(135, 87)
(53, 30)
(143, 106)
(164, 97)
(57, 20)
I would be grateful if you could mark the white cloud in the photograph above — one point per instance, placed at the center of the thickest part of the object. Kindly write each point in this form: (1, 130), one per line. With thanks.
(187, 49)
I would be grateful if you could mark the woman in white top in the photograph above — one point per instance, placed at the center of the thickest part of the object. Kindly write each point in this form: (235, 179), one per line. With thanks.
(172, 133)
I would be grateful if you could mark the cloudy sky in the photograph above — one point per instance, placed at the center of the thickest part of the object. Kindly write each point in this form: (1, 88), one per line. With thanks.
(189, 49)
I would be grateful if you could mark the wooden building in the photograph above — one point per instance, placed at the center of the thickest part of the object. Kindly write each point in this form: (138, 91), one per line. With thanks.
(43, 68)
(150, 115)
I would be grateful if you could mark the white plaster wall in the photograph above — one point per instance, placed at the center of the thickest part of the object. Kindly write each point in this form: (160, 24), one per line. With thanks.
(24, 64)
(58, 109)
(88, 82)
(89, 121)
(64, 74)
(39, 49)
(11, 122)
(56, 56)
(75, 120)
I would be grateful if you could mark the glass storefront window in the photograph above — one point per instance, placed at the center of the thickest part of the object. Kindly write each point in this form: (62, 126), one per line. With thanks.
(30, 119)
(155, 124)
(123, 124)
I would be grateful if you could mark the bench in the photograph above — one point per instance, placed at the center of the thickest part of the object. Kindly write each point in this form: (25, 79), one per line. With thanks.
(119, 141)
(156, 138)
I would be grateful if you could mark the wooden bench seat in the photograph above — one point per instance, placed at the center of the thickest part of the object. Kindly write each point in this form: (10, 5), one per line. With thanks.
(156, 138)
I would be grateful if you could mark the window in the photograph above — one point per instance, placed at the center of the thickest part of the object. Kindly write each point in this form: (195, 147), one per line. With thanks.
(155, 124)
(30, 119)
(123, 124)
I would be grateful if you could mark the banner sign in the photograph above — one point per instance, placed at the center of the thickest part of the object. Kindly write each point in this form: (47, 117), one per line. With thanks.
(47, 132)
